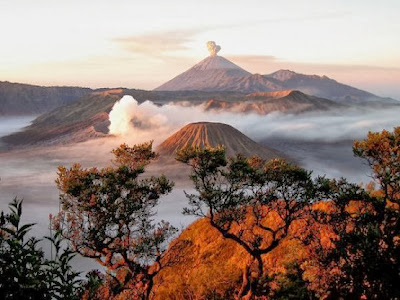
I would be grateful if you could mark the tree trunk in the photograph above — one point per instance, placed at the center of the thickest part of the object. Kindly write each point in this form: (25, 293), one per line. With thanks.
(245, 288)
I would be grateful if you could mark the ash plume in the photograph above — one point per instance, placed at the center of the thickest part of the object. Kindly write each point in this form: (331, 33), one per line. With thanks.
(213, 48)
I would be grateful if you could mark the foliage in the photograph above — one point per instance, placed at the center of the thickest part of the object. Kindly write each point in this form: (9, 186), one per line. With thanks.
(268, 231)
(230, 192)
(381, 150)
(24, 272)
(107, 214)
(292, 285)
(65, 281)
(364, 261)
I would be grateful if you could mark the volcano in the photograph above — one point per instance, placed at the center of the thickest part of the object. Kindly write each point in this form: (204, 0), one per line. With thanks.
(218, 74)
(208, 134)
(213, 73)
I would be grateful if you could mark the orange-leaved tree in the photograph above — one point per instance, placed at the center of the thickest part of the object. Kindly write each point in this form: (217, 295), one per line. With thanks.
(381, 150)
(251, 202)
(366, 253)
(108, 214)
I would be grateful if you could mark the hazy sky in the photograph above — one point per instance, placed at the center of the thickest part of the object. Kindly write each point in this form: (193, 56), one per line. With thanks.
(142, 44)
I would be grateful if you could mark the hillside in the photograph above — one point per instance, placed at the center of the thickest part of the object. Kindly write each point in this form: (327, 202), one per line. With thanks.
(24, 99)
(207, 134)
(325, 87)
(204, 264)
(69, 123)
(292, 102)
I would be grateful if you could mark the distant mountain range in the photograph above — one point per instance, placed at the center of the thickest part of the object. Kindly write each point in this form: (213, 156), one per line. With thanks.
(215, 76)
(88, 117)
(293, 102)
(25, 99)
(74, 122)
(216, 73)
(73, 114)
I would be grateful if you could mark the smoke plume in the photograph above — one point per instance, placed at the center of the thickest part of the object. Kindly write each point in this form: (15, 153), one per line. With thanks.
(127, 116)
(213, 48)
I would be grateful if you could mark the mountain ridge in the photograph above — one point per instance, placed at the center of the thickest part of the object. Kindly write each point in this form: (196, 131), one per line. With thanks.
(216, 73)
(323, 86)
(24, 99)
(262, 103)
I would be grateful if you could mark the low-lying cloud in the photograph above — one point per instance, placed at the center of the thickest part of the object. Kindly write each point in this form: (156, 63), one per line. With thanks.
(146, 120)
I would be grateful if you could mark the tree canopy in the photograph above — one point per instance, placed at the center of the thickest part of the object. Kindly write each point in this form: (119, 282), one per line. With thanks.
(282, 233)
(108, 214)
(230, 192)
(25, 273)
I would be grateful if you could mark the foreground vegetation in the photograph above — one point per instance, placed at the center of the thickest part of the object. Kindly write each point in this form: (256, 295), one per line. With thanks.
(267, 230)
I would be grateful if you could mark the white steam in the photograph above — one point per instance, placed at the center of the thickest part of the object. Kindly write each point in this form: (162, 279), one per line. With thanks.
(148, 121)
(127, 114)
(213, 48)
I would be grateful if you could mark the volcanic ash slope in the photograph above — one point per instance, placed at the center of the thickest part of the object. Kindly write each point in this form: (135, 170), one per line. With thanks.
(208, 134)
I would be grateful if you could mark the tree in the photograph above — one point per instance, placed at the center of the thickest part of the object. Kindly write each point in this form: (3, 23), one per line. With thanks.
(24, 272)
(240, 197)
(107, 214)
(381, 150)
(367, 250)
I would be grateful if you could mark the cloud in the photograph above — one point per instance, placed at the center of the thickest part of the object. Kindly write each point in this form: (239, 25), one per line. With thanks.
(158, 122)
(158, 43)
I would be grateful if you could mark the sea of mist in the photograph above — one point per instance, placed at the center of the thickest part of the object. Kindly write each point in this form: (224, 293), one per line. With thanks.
(318, 141)
(159, 121)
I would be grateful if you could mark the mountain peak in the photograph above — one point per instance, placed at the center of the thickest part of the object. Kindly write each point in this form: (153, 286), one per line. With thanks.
(208, 75)
(209, 134)
(216, 73)
(283, 75)
(217, 63)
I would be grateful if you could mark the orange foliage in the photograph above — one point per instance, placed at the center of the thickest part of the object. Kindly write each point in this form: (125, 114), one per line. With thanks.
(207, 264)
(203, 263)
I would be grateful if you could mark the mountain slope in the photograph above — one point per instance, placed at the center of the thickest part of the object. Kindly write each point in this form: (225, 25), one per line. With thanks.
(323, 86)
(207, 134)
(76, 122)
(216, 73)
(24, 99)
(282, 101)
(213, 73)
(90, 114)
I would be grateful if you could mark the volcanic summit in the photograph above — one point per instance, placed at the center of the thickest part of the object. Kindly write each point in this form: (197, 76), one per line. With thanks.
(213, 73)
(216, 73)
(208, 134)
